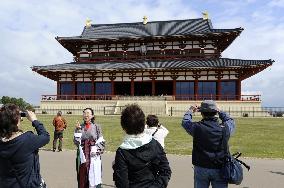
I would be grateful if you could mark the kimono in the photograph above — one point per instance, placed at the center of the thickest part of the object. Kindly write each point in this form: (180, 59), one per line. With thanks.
(90, 145)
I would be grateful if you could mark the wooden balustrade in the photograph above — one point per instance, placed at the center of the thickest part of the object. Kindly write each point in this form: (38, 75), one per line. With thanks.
(168, 97)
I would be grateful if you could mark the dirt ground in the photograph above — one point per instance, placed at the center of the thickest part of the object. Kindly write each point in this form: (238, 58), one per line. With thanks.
(58, 170)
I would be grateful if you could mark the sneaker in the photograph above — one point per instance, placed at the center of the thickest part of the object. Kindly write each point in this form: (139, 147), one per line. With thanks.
(53, 150)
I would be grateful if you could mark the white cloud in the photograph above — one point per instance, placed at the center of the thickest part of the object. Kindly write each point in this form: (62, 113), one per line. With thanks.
(28, 29)
(276, 3)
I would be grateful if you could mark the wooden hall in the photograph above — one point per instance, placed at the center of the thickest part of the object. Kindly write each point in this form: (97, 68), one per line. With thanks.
(171, 60)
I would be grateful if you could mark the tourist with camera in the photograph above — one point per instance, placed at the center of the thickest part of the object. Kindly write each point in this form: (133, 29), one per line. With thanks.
(207, 153)
(19, 159)
(155, 129)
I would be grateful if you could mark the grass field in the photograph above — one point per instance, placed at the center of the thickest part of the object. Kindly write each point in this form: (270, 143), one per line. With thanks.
(254, 137)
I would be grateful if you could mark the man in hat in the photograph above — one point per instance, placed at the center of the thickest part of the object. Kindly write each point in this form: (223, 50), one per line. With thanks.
(207, 143)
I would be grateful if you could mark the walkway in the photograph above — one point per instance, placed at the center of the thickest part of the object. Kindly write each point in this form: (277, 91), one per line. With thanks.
(58, 170)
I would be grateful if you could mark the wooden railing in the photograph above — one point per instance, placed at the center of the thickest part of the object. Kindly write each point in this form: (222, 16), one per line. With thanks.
(165, 97)
(154, 54)
(218, 97)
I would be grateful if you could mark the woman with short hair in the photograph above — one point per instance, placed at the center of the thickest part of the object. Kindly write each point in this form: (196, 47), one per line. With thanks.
(19, 159)
(140, 161)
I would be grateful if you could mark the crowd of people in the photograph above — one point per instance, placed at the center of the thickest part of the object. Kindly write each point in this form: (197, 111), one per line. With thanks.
(140, 160)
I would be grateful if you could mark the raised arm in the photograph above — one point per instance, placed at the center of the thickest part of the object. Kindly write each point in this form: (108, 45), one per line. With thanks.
(42, 138)
(187, 123)
(227, 121)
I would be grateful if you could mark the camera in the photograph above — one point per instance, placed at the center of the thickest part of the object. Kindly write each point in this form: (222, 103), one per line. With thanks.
(23, 114)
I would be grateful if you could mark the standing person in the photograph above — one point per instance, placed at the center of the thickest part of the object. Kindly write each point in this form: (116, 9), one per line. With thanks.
(207, 151)
(140, 161)
(60, 125)
(155, 129)
(19, 159)
(90, 142)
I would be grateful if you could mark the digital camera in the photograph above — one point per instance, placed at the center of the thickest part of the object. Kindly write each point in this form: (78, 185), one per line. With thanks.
(23, 114)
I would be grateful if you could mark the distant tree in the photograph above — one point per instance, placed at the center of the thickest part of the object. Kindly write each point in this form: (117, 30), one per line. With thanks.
(18, 101)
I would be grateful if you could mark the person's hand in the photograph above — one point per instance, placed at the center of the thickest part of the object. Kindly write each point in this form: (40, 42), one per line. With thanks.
(78, 126)
(93, 154)
(31, 116)
(194, 108)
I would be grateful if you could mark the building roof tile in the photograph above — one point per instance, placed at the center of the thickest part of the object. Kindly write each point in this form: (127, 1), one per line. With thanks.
(151, 29)
(224, 63)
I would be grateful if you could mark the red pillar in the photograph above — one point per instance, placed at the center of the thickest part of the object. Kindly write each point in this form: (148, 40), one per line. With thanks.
(93, 89)
(174, 87)
(74, 89)
(239, 89)
(153, 87)
(112, 87)
(132, 87)
(58, 88)
(219, 87)
(196, 89)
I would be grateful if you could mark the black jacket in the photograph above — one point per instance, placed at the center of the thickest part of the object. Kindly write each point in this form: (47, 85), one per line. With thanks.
(207, 143)
(207, 136)
(143, 167)
(21, 153)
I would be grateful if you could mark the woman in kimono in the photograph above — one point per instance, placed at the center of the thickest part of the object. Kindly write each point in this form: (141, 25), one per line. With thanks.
(89, 140)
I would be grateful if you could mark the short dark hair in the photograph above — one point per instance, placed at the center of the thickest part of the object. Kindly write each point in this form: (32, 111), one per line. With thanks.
(9, 118)
(208, 114)
(59, 113)
(93, 118)
(133, 119)
(152, 121)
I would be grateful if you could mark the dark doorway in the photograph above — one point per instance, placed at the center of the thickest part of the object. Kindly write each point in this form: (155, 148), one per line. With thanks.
(143, 88)
(122, 88)
(164, 87)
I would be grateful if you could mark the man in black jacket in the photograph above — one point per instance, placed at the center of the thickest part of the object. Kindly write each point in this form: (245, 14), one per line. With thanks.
(140, 161)
(207, 149)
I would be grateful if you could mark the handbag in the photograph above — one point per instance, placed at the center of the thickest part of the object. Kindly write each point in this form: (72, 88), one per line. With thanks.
(232, 170)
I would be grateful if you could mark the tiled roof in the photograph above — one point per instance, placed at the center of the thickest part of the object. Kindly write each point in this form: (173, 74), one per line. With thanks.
(156, 64)
(151, 29)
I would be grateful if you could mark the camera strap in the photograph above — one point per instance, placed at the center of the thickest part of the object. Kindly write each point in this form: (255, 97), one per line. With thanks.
(155, 131)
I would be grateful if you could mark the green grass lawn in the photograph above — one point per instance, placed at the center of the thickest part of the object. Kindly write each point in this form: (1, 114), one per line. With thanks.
(254, 137)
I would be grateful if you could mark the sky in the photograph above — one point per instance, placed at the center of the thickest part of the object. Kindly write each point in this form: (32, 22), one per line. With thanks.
(28, 29)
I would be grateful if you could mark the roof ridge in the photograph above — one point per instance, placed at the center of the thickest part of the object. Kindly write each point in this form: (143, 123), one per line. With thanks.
(147, 22)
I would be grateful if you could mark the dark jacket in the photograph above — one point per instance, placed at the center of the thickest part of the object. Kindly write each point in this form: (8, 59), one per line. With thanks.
(207, 136)
(143, 167)
(21, 153)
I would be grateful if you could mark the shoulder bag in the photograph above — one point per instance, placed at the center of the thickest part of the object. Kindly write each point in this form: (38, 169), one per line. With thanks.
(232, 170)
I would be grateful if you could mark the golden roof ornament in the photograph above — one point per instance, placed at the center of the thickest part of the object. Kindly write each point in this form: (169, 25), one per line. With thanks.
(205, 15)
(88, 22)
(145, 20)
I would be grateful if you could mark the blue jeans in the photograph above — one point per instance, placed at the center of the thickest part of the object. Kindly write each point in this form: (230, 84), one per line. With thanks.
(204, 176)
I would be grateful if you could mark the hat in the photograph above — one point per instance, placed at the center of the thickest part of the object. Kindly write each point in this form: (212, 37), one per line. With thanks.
(208, 106)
